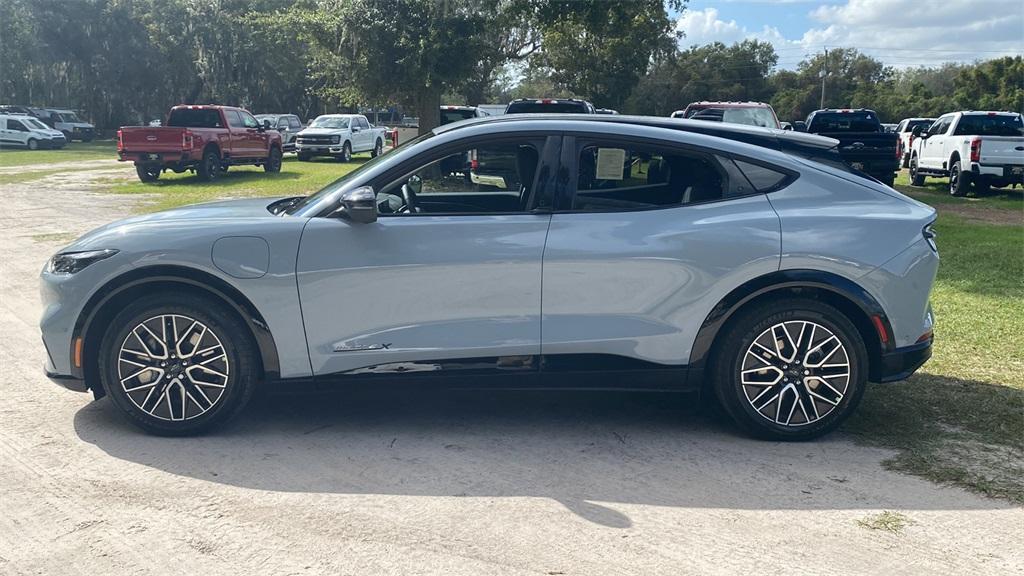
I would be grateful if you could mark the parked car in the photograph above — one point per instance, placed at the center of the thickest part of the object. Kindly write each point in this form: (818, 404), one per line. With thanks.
(204, 139)
(606, 111)
(25, 131)
(862, 141)
(68, 122)
(888, 127)
(287, 125)
(18, 109)
(550, 106)
(976, 148)
(340, 136)
(905, 129)
(451, 114)
(749, 113)
(784, 309)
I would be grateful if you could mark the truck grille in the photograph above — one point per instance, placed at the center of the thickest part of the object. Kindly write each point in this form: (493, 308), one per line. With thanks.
(314, 139)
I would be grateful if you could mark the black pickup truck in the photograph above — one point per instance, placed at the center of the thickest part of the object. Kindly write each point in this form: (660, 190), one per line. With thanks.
(863, 142)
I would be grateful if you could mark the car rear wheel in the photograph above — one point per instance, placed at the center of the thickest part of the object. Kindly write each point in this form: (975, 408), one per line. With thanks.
(791, 369)
(147, 173)
(273, 163)
(177, 365)
(959, 182)
(209, 166)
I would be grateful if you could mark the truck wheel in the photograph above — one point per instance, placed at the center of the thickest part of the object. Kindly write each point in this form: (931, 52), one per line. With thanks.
(378, 148)
(346, 152)
(302, 156)
(67, 136)
(982, 186)
(959, 182)
(32, 144)
(887, 179)
(273, 163)
(209, 167)
(147, 173)
(916, 178)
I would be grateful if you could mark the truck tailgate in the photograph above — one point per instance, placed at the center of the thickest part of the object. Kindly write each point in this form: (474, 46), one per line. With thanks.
(1002, 150)
(151, 139)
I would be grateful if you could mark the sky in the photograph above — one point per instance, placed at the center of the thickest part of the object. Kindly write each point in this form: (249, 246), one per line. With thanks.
(900, 33)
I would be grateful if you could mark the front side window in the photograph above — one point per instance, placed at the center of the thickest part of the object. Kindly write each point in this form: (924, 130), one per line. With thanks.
(488, 178)
(294, 123)
(282, 124)
(616, 177)
(16, 125)
(248, 120)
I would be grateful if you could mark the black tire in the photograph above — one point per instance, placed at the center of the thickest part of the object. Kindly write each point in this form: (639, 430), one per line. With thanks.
(732, 351)
(982, 186)
(887, 179)
(959, 181)
(67, 136)
(346, 153)
(916, 178)
(209, 167)
(302, 156)
(378, 148)
(32, 144)
(905, 162)
(239, 364)
(273, 163)
(147, 173)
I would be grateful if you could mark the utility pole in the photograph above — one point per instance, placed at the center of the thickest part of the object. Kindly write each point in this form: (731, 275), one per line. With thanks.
(824, 73)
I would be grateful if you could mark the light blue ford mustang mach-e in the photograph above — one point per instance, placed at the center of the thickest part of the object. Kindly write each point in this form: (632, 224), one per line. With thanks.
(642, 253)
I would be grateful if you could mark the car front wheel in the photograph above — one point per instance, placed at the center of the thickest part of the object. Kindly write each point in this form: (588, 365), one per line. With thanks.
(791, 369)
(177, 365)
(273, 163)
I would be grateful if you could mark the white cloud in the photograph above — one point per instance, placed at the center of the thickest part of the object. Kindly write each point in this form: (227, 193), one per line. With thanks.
(901, 33)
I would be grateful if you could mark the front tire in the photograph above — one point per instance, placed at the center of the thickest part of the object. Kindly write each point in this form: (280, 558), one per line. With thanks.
(346, 152)
(959, 182)
(178, 365)
(303, 156)
(790, 369)
(273, 163)
(916, 178)
(32, 144)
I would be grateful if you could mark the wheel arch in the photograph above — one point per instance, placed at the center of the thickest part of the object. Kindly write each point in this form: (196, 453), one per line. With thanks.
(860, 307)
(101, 308)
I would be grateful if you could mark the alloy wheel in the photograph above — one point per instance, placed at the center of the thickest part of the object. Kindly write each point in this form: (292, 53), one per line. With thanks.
(795, 373)
(173, 367)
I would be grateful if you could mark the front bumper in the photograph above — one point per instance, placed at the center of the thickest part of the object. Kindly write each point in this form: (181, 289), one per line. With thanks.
(902, 362)
(319, 148)
(69, 382)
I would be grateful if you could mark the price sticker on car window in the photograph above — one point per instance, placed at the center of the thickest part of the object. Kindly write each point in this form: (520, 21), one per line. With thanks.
(610, 163)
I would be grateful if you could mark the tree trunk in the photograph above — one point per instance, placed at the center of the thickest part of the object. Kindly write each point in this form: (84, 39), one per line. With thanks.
(428, 103)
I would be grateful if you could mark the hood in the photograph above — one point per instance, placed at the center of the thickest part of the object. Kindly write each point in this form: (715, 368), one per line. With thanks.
(321, 131)
(194, 215)
(50, 132)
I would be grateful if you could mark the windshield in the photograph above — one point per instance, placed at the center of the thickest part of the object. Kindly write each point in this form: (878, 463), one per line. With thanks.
(194, 118)
(864, 121)
(990, 125)
(69, 117)
(32, 122)
(761, 117)
(332, 123)
(549, 108)
(449, 116)
(340, 182)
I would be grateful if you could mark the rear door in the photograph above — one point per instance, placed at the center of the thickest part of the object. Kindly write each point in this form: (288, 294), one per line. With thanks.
(648, 236)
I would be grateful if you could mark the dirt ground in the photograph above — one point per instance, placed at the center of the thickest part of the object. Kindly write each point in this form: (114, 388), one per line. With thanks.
(399, 482)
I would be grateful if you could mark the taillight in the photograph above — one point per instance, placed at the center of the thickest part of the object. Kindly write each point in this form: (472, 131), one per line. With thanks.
(473, 162)
(120, 142)
(899, 148)
(186, 140)
(929, 236)
(976, 150)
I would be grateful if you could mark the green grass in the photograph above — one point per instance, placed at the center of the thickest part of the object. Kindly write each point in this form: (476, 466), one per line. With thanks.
(887, 521)
(73, 152)
(936, 193)
(295, 179)
(960, 420)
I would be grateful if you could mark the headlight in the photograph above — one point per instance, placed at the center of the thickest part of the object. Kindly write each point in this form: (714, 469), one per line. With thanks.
(335, 139)
(72, 262)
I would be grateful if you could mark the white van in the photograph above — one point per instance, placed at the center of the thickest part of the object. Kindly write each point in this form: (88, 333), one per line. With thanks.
(24, 131)
(67, 121)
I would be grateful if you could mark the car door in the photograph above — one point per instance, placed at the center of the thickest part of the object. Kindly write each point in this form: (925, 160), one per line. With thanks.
(255, 139)
(361, 138)
(457, 279)
(237, 134)
(932, 146)
(286, 134)
(17, 133)
(647, 237)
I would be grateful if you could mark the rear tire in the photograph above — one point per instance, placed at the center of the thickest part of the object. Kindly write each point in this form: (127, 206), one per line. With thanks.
(378, 148)
(790, 369)
(959, 182)
(147, 173)
(302, 156)
(209, 167)
(916, 178)
(180, 389)
(273, 163)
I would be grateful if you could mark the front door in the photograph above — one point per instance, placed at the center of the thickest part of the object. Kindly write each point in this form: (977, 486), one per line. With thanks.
(450, 270)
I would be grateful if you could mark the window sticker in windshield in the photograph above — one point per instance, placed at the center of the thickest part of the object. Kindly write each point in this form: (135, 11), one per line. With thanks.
(609, 163)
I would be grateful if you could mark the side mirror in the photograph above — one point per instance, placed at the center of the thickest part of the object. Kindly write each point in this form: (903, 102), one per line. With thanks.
(415, 183)
(359, 205)
(356, 128)
(266, 124)
(799, 126)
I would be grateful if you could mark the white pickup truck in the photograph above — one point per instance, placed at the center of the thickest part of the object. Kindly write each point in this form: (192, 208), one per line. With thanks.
(980, 148)
(340, 136)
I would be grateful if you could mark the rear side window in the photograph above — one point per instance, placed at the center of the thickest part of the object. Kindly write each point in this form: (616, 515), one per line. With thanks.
(761, 178)
(194, 118)
(940, 126)
(990, 125)
(613, 177)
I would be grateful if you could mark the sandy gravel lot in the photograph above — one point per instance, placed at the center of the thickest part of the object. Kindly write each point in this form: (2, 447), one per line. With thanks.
(397, 482)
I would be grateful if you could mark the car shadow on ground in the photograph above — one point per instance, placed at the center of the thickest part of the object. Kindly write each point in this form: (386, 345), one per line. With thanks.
(581, 449)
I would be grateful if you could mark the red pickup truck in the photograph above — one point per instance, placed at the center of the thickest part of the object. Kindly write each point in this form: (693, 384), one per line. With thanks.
(203, 139)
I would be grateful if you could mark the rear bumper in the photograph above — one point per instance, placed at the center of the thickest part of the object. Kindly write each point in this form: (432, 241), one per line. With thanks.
(161, 158)
(902, 362)
(1007, 172)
